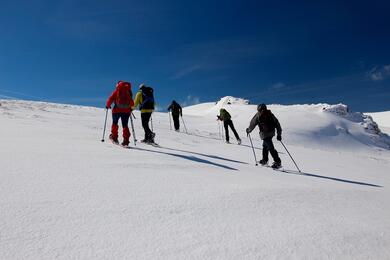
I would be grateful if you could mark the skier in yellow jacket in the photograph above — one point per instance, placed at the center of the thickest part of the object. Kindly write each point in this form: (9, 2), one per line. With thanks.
(145, 100)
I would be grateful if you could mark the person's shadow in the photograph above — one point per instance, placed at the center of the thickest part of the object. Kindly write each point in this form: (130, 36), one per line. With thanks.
(187, 157)
(203, 154)
(217, 139)
(329, 178)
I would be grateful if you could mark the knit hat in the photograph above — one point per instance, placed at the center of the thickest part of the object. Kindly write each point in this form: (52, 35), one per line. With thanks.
(261, 107)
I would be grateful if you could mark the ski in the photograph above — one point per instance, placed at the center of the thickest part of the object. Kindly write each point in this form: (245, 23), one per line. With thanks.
(118, 144)
(281, 169)
(151, 143)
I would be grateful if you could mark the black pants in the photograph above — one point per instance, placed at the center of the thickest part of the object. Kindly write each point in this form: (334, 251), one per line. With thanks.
(124, 119)
(226, 124)
(268, 146)
(176, 121)
(145, 117)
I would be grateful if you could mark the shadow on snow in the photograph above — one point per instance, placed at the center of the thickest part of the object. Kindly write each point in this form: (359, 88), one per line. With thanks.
(330, 178)
(202, 154)
(187, 157)
(217, 139)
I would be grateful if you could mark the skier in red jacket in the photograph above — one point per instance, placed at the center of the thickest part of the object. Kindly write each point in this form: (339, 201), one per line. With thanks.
(123, 101)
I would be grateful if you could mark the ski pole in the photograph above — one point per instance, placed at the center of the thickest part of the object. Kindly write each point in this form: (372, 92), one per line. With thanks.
(132, 129)
(151, 122)
(222, 128)
(219, 129)
(133, 115)
(170, 123)
(291, 157)
(254, 153)
(105, 123)
(184, 124)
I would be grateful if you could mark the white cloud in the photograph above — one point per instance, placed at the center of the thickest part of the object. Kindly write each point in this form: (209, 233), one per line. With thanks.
(279, 85)
(186, 71)
(217, 55)
(379, 73)
(190, 101)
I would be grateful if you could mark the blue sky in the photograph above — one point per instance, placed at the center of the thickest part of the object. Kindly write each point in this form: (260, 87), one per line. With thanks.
(198, 51)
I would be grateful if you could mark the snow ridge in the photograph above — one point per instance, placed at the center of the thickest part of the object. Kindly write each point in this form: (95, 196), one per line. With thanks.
(366, 121)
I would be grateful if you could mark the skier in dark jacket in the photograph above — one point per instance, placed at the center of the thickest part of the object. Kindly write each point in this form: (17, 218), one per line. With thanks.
(267, 123)
(227, 121)
(176, 112)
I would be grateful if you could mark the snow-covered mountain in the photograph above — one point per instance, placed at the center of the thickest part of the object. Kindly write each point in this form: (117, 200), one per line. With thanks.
(64, 194)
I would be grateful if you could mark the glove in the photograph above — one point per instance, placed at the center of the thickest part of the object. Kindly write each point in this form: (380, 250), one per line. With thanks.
(108, 107)
(248, 131)
(219, 118)
(279, 138)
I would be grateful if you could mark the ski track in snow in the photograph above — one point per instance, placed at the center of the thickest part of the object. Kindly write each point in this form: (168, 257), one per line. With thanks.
(66, 195)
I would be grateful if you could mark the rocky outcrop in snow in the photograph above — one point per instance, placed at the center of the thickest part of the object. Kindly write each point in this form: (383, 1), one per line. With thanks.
(369, 125)
(229, 100)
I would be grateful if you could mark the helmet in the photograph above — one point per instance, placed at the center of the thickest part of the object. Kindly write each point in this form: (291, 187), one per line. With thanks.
(142, 86)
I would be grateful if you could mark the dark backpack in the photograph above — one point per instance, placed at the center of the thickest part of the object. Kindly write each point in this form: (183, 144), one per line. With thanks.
(123, 95)
(267, 121)
(147, 98)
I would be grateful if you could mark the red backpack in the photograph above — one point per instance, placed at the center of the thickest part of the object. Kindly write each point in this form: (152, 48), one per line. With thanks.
(123, 95)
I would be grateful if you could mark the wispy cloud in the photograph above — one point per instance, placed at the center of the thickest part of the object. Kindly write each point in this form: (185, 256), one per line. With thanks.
(81, 100)
(104, 20)
(186, 71)
(279, 86)
(18, 95)
(190, 101)
(7, 97)
(379, 73)
(305, 89)
(216, 55)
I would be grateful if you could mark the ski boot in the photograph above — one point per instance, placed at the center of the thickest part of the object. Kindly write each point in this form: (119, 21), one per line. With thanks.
(263, 162)
(125, 143)
(276, 165)
(114, 139)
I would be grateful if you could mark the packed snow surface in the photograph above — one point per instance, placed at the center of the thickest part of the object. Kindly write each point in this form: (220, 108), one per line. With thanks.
(64, 194)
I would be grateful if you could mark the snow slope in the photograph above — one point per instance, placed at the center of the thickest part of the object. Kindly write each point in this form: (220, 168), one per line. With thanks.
(66, 195)
(383, 120)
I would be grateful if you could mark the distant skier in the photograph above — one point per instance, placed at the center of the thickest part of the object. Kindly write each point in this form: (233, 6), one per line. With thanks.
(176, 112)
(123, 101)
(227, 121)
(267, 123)
(145, 100)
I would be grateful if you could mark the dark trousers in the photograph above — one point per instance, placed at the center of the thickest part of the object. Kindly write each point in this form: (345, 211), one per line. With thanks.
(124, 119)
(145, 117)
(268, 146)
(176, 121)
(226, 124)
